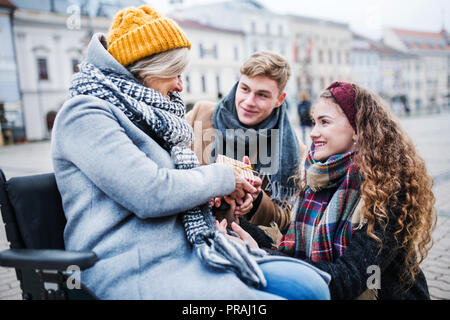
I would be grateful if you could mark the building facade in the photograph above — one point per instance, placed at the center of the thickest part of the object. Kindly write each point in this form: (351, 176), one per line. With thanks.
(427, 77)
(260, 29)
(44, 42)
(321, 53)
(49, 48)
(366, 63)
(216, 55)
(12, 127)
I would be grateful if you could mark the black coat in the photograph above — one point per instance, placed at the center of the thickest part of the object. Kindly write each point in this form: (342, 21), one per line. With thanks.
(350, 272)
(304, 109)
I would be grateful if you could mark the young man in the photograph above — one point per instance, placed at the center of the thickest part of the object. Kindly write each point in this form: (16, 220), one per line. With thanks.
(252, 121)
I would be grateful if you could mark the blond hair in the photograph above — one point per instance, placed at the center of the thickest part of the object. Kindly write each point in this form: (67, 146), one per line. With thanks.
(268, 64)
(164, 65)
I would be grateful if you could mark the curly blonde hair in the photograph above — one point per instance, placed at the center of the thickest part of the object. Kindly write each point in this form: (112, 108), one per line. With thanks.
(394, 176)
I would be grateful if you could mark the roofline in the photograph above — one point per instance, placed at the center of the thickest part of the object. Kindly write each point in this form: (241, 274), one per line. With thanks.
(417, 33)
(199, 25)
(318, 20)
(7, 4)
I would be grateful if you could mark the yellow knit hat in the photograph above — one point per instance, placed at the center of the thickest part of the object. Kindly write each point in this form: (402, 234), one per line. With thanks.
(140, 32)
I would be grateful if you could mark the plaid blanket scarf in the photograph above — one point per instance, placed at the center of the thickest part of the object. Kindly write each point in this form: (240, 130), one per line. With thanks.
(325, 218)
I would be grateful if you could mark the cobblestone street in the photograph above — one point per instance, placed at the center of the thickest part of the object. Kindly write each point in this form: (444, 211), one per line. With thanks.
(431, 134)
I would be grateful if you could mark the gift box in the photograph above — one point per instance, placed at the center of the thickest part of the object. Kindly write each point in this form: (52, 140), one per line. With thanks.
(246, 169)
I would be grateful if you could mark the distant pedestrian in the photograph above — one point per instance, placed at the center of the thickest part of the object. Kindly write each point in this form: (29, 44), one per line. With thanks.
(304, 109)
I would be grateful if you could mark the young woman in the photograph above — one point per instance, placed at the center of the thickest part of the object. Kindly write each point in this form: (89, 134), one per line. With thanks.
(132, 189)
(366, 209)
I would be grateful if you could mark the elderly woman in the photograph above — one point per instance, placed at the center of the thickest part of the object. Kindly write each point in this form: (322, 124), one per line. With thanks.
(132, 189)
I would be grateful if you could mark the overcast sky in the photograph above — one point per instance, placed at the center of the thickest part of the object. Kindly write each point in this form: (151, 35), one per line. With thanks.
(367, 17)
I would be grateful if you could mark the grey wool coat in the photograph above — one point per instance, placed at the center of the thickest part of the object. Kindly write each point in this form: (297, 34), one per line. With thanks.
(121, 196)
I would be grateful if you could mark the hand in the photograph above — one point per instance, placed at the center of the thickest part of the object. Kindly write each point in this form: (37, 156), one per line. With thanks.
(257, 183)
(215, 202)
(245, 207)
(227, 215)
(244, 237)
(242, 186)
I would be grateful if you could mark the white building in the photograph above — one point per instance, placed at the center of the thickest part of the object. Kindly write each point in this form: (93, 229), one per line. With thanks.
(11, 116)
(321, 53)
(216, 55)
(49, 47)
(366, 63)
(50, 38)
(384, 70)
(260, 28)
(428, 77)
(50, 44)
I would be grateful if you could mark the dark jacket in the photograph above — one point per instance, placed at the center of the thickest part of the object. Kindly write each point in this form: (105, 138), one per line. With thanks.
(350, 272)
(303, 109)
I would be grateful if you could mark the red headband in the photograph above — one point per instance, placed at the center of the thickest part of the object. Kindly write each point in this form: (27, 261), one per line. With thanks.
(344, 94)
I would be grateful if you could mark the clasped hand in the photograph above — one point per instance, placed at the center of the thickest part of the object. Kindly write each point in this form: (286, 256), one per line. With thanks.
(241, 199)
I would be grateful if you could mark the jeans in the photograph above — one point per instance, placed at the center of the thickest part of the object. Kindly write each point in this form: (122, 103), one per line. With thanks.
(292, 281)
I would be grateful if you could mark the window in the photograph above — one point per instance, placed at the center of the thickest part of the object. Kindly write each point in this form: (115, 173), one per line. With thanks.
(205, 52)
(203, 83)
(218, 84)
(267, 28)
(418, 104)
(214, 53)
(320, 56)
(75, 63)
(253, 27)
(187, 81)
(201, 51)
(236, 53)
(330, 56)
(42, 69)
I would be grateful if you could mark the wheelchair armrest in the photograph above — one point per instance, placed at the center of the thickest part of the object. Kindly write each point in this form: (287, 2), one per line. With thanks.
(48, 259)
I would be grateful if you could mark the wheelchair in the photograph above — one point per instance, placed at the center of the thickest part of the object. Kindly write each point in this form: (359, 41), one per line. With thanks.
(34, 220)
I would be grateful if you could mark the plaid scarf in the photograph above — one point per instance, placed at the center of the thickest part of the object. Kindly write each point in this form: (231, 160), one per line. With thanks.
(325, 218)
(163, 119)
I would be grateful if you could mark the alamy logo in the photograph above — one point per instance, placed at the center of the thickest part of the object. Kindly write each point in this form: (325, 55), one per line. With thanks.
(74, 279)
(74, 20)
(374, 280)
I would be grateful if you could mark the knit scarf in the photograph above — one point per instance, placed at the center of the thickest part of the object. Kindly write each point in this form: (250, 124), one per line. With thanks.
(163, 119)
(272, 146)
(325, 218)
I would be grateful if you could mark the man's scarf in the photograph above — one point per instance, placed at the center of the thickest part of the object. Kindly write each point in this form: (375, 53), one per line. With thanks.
(326, 215)
(272, 146)
(163, 119)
